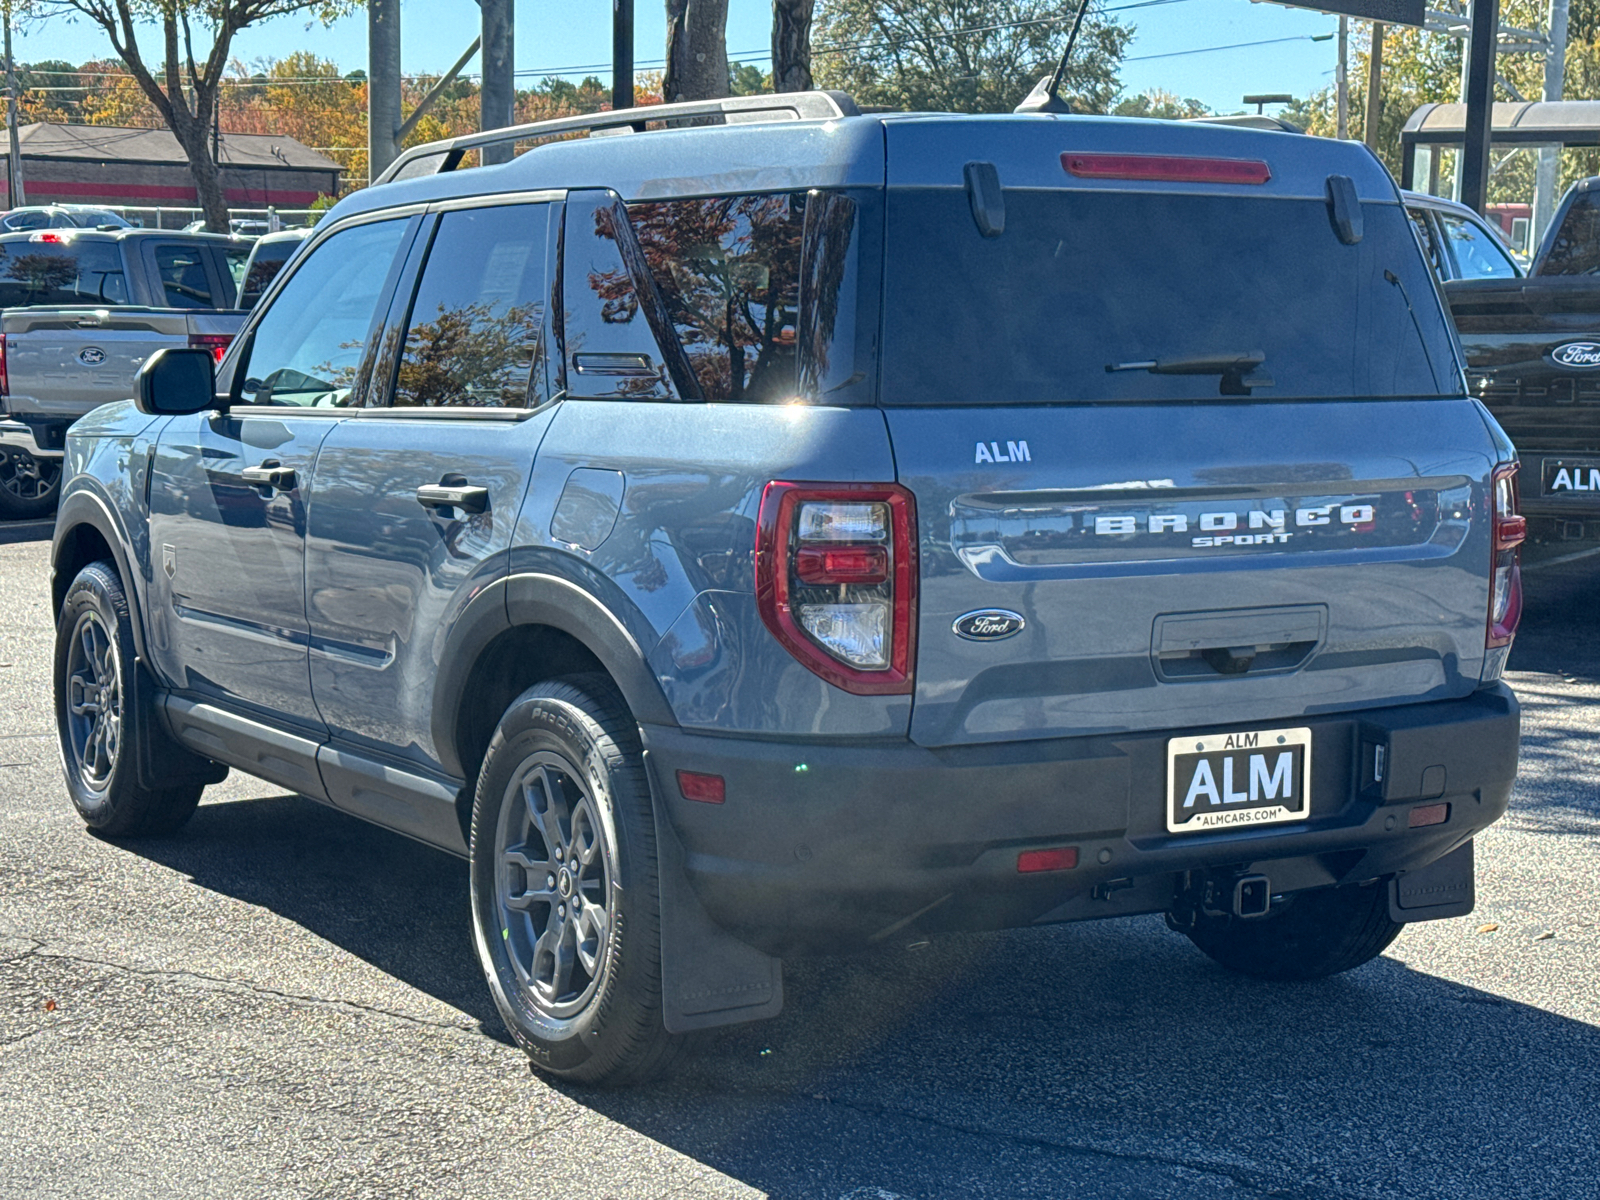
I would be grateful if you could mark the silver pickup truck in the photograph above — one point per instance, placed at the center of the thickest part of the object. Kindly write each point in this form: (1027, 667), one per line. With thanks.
(80, 310)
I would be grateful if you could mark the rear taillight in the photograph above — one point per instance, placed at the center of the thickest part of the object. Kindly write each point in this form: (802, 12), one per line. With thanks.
(217, 343)
(5, 375)
(836, 580)
(1168, 168)
(1505, 580)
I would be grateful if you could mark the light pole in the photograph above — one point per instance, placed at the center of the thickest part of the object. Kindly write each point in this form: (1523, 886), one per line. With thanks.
(14, 159)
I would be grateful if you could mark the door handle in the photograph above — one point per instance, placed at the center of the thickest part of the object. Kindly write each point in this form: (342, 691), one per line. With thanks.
(270, 474)
(453, 491)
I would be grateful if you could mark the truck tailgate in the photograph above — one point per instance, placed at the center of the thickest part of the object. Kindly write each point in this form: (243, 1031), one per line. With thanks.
(65, 362)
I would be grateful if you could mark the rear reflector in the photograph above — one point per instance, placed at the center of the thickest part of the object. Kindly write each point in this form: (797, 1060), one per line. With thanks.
(842, 564)
(217, 343)
(1170, 168)
(707, 789)
(1061, 858)
(1428, 814)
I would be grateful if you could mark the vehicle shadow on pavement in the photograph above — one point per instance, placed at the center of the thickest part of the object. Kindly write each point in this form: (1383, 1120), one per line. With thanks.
(12, 532)
(1090, 1059)
(390, 901)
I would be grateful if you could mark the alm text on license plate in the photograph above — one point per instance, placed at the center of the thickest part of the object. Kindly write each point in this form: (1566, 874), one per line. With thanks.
(1226, 780)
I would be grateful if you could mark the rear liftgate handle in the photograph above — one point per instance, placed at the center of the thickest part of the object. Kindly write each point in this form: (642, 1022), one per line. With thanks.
(453, 491)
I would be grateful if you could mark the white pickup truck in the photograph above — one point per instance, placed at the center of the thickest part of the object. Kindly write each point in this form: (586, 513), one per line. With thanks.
(80, 310)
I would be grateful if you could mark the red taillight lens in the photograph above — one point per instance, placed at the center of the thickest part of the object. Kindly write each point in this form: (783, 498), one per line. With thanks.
(49, 237)
(1428, 814)
(217, 343)
(836, 580)
(1505, 573)
(5, 377)
(1060, 858)
(707, 789)
(1169, 168)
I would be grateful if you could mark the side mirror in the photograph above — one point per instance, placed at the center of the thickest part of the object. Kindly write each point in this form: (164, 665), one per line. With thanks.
(174, 381)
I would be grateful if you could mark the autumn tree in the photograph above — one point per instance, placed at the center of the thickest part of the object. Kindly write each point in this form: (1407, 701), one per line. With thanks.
(184, 90)
(964, 55)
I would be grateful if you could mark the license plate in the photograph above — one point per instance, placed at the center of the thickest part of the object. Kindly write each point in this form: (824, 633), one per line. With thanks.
(1225, 780)
(1570, 477)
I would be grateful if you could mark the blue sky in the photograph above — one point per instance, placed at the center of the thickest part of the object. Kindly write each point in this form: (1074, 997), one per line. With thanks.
(560, 37)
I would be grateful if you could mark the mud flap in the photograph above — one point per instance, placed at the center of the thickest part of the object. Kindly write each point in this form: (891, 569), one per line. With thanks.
(152, 743)
(708, 976)
(1440, 889)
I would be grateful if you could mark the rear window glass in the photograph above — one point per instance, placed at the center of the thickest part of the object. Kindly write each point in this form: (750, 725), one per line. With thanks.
(263, 265)
(184, 280)
(1576, 247)
(1084, 289)
(68, 272)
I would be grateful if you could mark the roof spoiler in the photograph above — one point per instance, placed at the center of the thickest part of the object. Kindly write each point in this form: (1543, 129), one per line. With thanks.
(437, 157)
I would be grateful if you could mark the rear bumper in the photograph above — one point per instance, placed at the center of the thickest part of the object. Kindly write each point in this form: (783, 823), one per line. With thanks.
(38, 438)
(831, 846)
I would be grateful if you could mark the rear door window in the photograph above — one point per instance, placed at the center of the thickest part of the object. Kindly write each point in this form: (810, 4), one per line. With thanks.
(1422, 225)
(231, 260)
(69, 271)
(1575, 249)
(473, 338)
(308, 346)
(1476, 254)
(185, 281)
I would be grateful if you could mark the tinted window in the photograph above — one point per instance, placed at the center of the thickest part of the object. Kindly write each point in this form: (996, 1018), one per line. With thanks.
(1430, 245)
(1085, 280)
(28, 220)
(308, 346)
(1575, 250)
(67, 272)
(235, 257)
(473, 336)
(614, 328)
(1474, 249)
(263, 265)
(184, 280)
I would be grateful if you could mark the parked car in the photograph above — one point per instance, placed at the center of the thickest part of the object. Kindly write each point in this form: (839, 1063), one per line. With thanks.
(62, 216)
(237, 226)
(80, 310)
(758, 535)
(267, 257)
(1533, 354)
(1458, 243)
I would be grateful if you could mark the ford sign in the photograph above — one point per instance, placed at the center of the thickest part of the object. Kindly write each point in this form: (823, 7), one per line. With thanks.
(91, 356)
(988, 625)
(1584, 356)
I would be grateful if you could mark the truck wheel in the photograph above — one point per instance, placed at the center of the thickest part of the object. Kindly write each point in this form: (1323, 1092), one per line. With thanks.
(28, 485)
(565, 902)
(95, 714)
(1316, 934)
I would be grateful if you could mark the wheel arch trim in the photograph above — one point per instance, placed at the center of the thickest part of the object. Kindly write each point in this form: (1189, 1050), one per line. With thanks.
(84, 507)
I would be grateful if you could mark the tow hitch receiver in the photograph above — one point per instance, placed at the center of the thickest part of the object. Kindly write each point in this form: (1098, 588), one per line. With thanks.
(1219, 894)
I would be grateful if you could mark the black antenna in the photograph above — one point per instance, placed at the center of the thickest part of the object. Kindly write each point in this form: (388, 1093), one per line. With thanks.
(1046, 96)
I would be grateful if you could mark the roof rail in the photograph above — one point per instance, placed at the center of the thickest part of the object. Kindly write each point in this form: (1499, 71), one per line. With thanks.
(437, 157)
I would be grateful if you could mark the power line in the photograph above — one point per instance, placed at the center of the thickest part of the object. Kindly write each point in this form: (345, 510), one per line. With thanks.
(1304, 37)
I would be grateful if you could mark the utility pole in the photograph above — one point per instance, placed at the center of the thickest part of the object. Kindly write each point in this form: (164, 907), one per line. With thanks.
(1548, 172)
(1342, 78)
(14, 159)
(1374, 88)
(621, 54)
(497, 98)
(383, 85)
(1474, 174)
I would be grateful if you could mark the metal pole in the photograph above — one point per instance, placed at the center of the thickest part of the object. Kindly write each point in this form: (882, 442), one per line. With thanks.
(1480, 104)
(14, 159)
(383, 85)
(1548, 173)
(621, 54)
(1342, 78)
(498, 96)
(1374, 88)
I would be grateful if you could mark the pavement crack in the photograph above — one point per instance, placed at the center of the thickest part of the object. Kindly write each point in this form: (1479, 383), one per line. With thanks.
(246, 986)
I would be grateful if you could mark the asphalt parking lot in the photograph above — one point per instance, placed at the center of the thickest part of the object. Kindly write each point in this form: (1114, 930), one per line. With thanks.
(282, 1001)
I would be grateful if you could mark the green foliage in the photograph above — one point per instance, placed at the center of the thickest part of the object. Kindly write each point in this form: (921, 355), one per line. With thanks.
(745, 80)
(1161, 105)
(963, 55)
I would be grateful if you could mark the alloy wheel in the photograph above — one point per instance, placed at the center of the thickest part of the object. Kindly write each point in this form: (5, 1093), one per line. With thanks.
(94, 700)
(26, 477)
(553, 876)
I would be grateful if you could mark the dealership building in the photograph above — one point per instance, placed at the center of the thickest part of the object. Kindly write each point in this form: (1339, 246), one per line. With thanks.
(146, 169)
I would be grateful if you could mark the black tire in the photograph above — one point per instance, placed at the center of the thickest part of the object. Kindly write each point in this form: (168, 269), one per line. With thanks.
(96, 715)
(29, 486)
(1316, 934)
(580, 993)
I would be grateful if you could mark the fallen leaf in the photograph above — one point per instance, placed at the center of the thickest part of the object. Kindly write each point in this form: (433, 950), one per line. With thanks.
(1544, 937)
(49, 1006)
(1487, 928)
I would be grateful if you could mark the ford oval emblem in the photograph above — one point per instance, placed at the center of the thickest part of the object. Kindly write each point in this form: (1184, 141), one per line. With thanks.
(988, 625)
(1585, 356)
(91, 356)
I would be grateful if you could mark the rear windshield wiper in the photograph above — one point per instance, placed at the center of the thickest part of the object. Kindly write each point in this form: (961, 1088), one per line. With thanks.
(1239, 371)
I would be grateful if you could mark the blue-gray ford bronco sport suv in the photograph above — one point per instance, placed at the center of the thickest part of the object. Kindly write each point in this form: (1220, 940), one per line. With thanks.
(781, 528)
